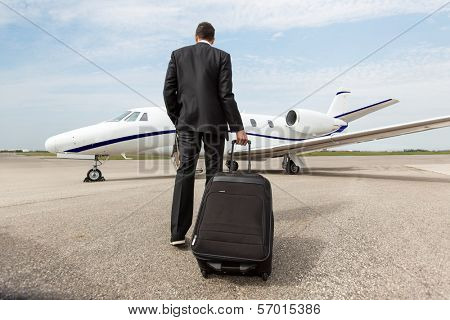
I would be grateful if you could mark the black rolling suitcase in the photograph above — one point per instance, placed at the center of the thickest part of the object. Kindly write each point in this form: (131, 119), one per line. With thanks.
(234, 229)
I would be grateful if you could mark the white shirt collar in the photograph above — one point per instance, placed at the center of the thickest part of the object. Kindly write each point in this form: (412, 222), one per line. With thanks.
(204, 41)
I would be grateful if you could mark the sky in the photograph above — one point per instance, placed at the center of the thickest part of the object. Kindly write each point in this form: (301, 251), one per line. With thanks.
(281, 52)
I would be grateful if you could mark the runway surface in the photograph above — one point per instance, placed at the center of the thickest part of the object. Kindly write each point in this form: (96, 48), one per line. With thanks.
(349, 228)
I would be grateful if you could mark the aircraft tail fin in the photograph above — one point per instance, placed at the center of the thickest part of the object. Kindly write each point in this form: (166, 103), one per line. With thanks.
(339, 104)
(339, 107)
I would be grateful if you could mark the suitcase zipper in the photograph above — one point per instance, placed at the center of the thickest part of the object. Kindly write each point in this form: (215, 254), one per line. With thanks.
(194, 239)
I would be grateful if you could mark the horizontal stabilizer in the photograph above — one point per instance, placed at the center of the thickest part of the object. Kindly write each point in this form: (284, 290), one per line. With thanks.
(361, 112)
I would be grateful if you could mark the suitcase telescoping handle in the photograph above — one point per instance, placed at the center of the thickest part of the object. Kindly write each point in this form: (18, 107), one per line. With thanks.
(232, 153)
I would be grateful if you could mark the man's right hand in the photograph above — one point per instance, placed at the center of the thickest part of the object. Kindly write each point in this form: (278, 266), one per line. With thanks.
(241, 138)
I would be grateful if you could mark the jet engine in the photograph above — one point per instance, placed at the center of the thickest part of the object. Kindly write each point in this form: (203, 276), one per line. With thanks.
(312, 123)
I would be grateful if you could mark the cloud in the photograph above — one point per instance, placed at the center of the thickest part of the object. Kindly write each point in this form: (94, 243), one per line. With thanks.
(277, 35)
(399, 75)
(148, 17)
(122, 28)
(6, 17)
(233, 14)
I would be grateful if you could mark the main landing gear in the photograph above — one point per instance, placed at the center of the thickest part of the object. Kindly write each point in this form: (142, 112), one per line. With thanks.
(233, 165)
(95, 175)
(292, 164)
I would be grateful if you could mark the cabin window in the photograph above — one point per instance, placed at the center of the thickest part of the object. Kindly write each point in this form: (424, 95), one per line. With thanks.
(270, 123)
(133, 117)
(253, 122)
(122, 116)
(144, 117)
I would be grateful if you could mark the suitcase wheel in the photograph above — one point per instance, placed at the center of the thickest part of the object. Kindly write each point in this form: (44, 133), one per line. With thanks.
(265, 276)
(205, 274)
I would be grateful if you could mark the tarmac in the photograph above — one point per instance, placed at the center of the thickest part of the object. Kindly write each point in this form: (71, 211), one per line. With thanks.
(348, 228)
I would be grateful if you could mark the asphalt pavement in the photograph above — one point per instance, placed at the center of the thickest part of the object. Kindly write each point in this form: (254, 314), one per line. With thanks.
(348, 228)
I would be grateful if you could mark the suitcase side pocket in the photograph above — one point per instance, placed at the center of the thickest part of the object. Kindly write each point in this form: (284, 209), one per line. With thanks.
(231, 225)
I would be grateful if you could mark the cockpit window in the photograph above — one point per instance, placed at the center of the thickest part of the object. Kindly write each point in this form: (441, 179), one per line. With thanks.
(144, 117)
(133, 117)
(122, 116)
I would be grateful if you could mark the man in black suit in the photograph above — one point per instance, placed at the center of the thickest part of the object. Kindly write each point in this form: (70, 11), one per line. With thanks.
(200, 102)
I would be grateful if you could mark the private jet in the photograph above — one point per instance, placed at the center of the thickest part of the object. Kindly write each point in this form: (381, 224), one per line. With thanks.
(296, 132)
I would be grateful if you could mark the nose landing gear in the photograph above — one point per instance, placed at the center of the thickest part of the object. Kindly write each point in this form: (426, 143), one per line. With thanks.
(95, 175)
(234, 166)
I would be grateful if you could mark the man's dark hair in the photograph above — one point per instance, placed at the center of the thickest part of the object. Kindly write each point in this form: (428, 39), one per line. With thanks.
(205, 30)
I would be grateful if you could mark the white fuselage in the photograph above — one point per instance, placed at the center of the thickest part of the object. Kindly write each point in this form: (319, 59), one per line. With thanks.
(155, 134)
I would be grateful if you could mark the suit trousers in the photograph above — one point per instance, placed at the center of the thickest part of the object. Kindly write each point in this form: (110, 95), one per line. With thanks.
(189, 145)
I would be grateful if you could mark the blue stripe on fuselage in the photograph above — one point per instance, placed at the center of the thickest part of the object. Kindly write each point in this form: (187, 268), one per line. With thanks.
(156, 133)
(117, 140)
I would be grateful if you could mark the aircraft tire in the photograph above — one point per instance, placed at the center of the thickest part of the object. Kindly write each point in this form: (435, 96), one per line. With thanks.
(94, 175)
(292, 168)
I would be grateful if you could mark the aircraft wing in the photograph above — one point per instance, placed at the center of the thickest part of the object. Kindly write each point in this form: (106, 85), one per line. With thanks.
(337, 139)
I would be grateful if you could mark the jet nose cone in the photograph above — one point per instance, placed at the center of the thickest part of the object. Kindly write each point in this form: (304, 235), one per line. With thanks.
(50, 145)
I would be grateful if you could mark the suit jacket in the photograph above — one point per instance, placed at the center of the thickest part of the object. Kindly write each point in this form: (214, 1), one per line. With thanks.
(198, 90)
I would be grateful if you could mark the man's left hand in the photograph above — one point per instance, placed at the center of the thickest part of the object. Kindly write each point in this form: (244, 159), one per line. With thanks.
(241, 138)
